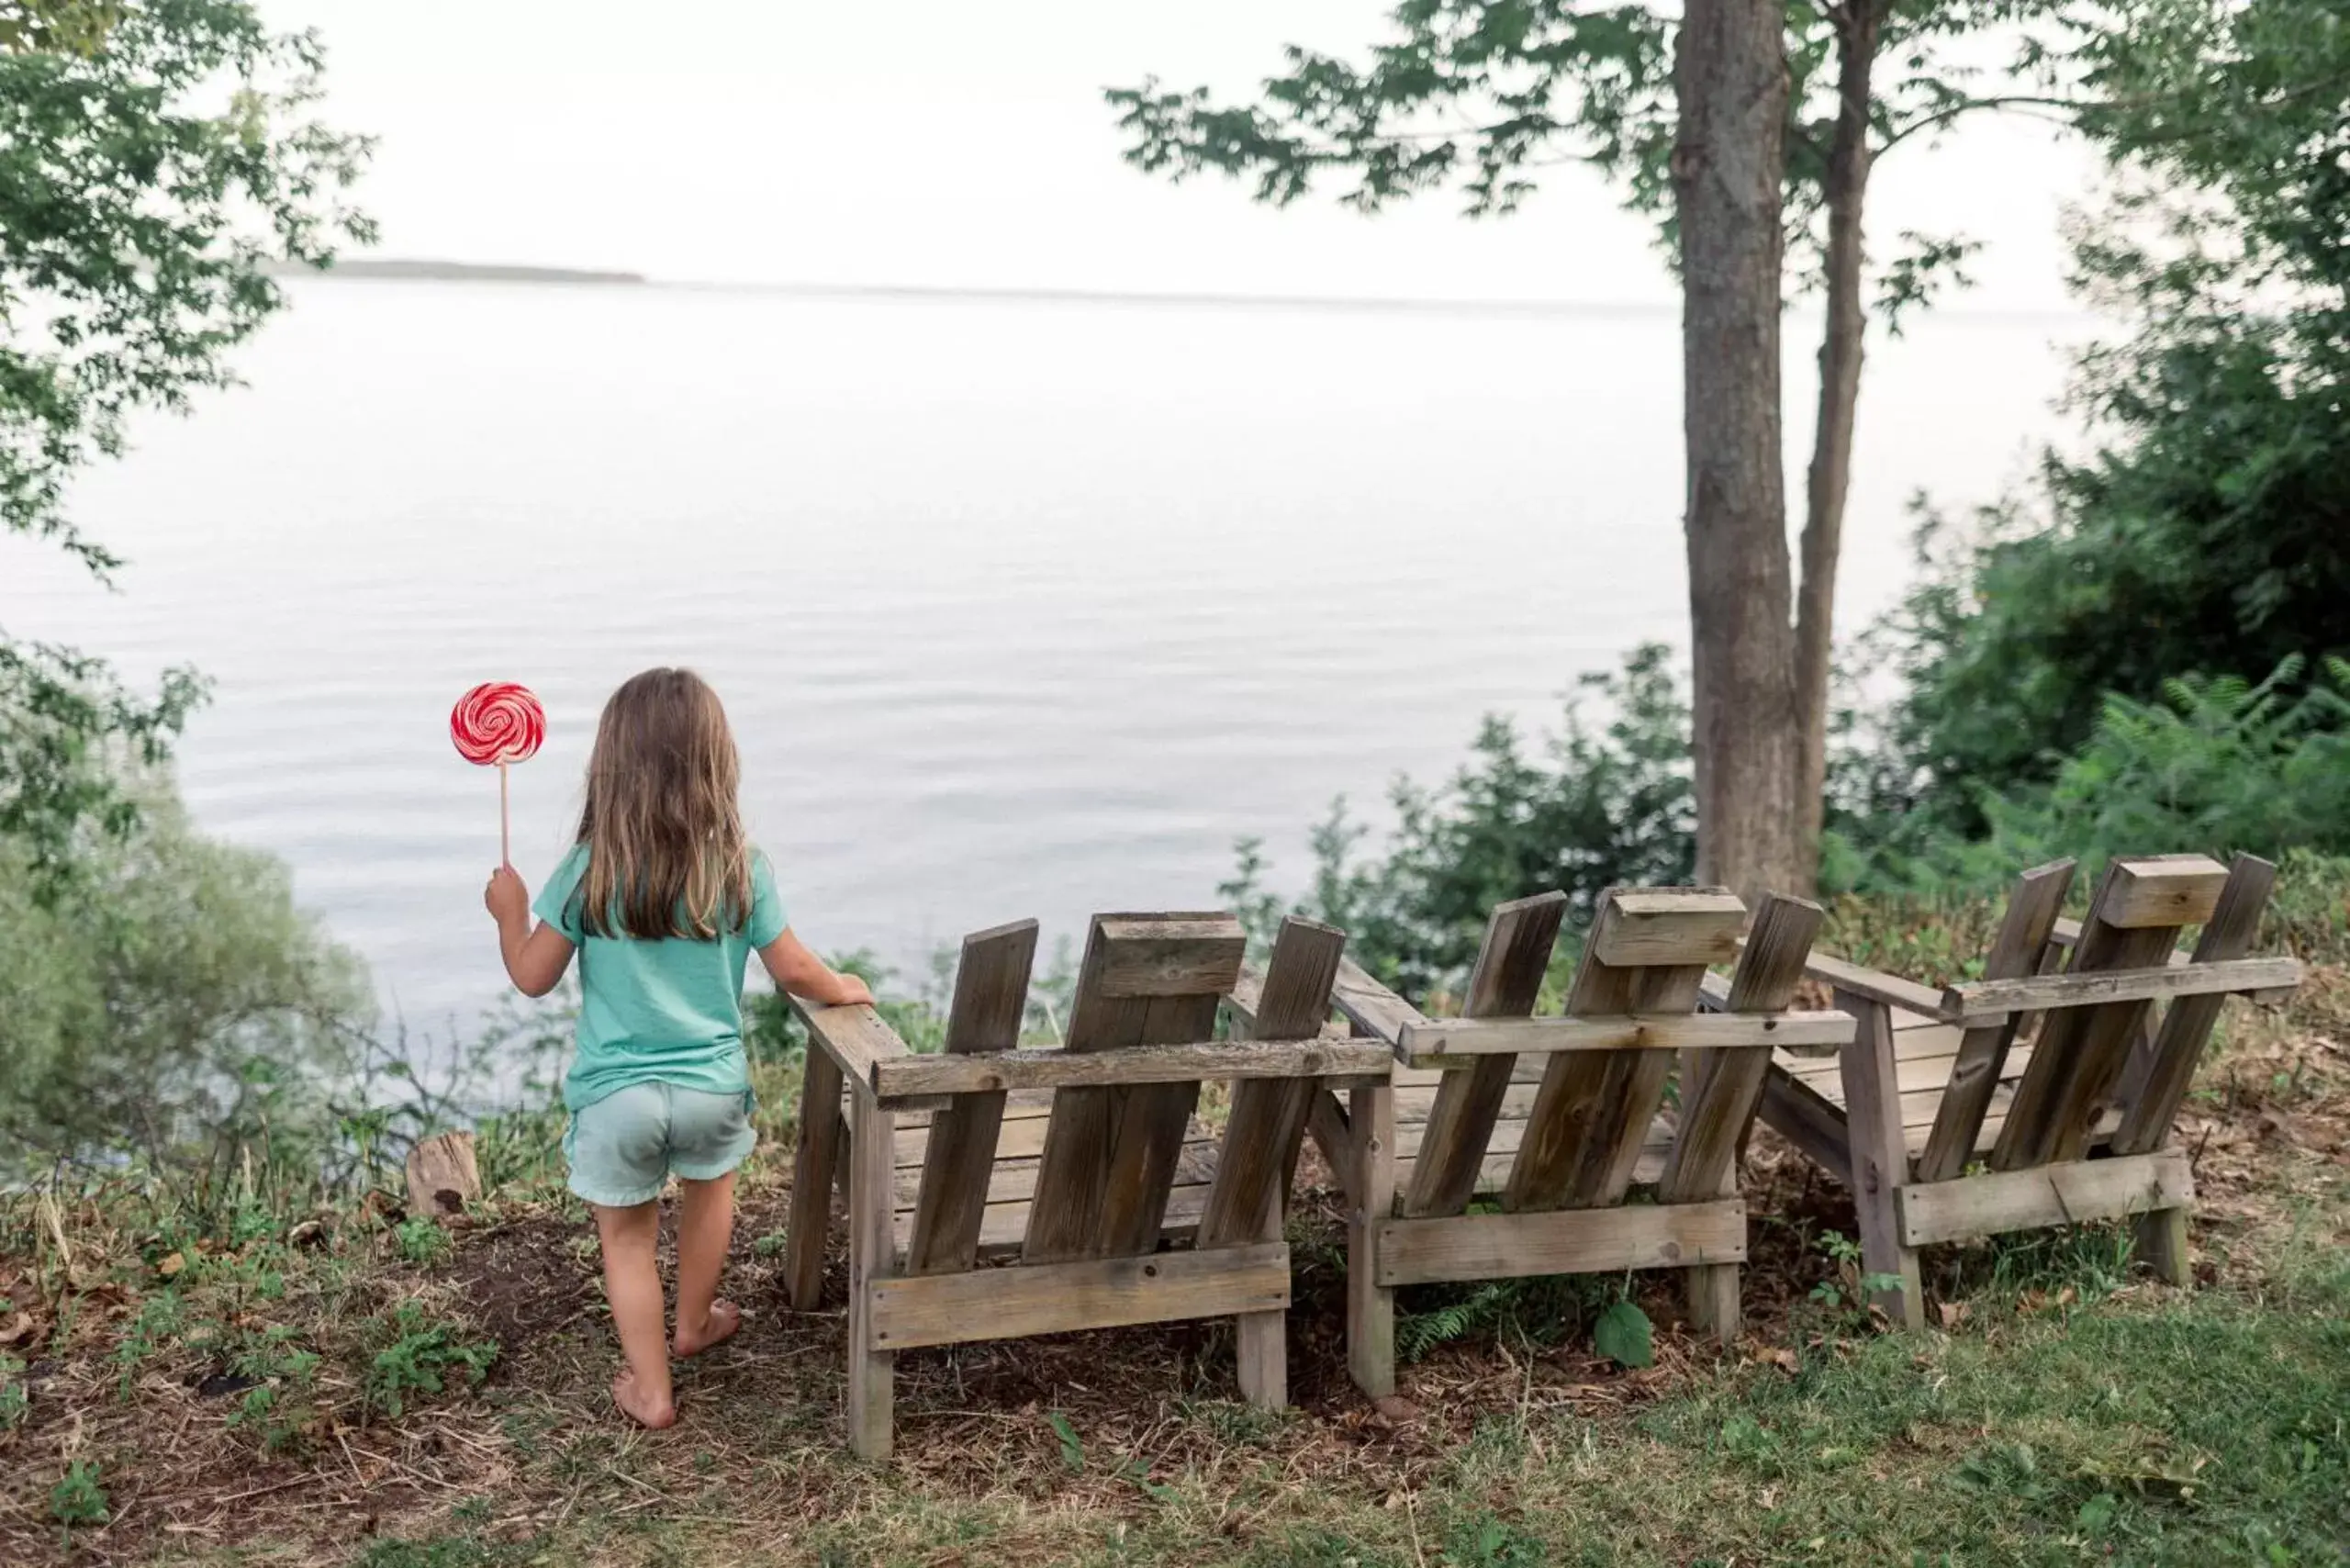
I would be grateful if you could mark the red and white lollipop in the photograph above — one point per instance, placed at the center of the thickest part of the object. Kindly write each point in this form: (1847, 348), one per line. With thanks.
(495, 724)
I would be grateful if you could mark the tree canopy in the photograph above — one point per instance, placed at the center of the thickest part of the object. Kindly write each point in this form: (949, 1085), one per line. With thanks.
(1486, 94)
(2206, 529)
(156, 159)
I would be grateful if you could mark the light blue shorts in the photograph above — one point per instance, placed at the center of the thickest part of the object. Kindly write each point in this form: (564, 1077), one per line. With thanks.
(622, 1147)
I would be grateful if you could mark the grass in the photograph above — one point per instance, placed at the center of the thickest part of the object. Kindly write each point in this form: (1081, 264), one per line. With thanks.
(275, 1386)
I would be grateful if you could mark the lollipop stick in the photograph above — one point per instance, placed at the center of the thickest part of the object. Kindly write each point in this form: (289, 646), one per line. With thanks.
(505, 837)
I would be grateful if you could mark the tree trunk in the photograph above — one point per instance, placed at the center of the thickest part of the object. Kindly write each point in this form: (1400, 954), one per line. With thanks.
(1857, 31)
(1731, 82)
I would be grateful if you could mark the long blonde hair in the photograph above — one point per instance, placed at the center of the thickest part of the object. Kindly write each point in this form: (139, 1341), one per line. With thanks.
(666, 851)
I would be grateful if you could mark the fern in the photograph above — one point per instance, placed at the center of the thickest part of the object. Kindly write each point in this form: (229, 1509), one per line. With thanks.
(1482, 1309)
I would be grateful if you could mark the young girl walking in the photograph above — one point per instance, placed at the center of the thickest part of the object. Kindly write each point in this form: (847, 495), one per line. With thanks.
(664, 902)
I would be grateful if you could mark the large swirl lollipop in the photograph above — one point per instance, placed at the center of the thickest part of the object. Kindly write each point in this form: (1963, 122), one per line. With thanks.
(495, 724)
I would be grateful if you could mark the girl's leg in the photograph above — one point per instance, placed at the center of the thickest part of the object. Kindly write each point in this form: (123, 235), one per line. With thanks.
(705, 1226)
(632, 1286)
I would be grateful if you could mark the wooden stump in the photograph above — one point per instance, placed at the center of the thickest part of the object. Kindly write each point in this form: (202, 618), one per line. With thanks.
(441, 1175)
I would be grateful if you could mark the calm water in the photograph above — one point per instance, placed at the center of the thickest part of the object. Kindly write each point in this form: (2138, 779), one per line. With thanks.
(1019, 608)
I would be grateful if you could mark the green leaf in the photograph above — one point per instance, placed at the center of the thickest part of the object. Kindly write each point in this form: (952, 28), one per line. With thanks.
(1072, 1447)
(1624, 1336)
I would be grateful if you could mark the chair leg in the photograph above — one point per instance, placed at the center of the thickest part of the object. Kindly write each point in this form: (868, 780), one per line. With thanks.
(813, 1164)
(871, 1247)
(1880, 1158)
(1264, 1358)
(1714, 1299)
(1370, 1309)
(2162, 1242)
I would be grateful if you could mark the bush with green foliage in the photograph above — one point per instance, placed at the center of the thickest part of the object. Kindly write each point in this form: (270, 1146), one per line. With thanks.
(1606, 802)
(2217, 766)
(2208, 531)
(178, 997)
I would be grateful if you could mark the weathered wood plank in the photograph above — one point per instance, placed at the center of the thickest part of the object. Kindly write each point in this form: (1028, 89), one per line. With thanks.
(1187, 1061)
(2162, 1247)
(1720, 1090)
(1067, 1212)
(1717, 1097)
(2163, 890)
(2081, 1050)
(1983, 1002)
(2032, 913)
(1371, 1306)
(1325, 1119)
(2067, 1192)
(1169, 955)
(1267, 1119)
(2156, 1085)
(855, 1038)
(1371, 1006)
(872, 1246)
(1668, 925)
(1593, 1111)
(1015, 1180)
(1874, 985)
(1004, 1234)
(990, 999)
(1147, 1140)
(1621, 1031)
(1571, 1241)
(1507, 978)
(812, 1166)
(1101, 1292)
(1811, 1121)
(1880, 1159)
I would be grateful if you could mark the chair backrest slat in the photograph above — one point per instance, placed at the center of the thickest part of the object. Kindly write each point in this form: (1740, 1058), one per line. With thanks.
(2078, 1058)
(1267, 1119)
(1648, 952)
(1504, 984)
(2155, 1084)
(1111, 1154)
(990, 999)
(1721, 1089)
(2017, 950)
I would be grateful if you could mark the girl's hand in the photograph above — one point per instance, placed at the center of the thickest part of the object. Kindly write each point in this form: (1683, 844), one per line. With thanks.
(506, 898)
(853, 991)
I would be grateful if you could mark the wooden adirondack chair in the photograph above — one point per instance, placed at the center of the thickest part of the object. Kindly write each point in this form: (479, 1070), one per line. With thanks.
(2070, 1127)
(1559, 1117)
(1083, 1160)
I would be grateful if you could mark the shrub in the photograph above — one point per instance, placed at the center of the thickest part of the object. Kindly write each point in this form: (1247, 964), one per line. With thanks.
(177, 997)
(1607, 802)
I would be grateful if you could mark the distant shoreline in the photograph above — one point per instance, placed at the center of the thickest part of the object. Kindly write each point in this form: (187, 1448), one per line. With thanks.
(457, 272)
(428, 271)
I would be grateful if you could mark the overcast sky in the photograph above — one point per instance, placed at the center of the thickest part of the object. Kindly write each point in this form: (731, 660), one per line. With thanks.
(947, 143)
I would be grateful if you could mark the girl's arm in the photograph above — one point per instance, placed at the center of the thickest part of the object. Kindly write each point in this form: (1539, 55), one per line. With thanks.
(796, 969)
(536, 959)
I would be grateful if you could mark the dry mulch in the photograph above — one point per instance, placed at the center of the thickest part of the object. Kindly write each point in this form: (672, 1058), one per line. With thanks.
(760, 1443)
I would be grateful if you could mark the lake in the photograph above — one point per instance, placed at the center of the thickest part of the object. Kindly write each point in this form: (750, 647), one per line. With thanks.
(1018, 607)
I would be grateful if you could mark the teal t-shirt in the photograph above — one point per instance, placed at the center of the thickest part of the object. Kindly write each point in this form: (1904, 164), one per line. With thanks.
(665, 1010)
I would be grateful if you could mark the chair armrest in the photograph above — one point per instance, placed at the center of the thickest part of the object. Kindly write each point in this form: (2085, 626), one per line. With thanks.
(1873, 984)
(856, 1037)
(1248, 994)
(1371, 1006)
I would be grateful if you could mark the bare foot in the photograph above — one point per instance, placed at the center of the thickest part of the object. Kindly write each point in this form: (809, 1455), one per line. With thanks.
(724, 1320)
(639, 1405)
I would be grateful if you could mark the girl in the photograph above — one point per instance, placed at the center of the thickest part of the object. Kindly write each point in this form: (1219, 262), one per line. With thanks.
(667, 901)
